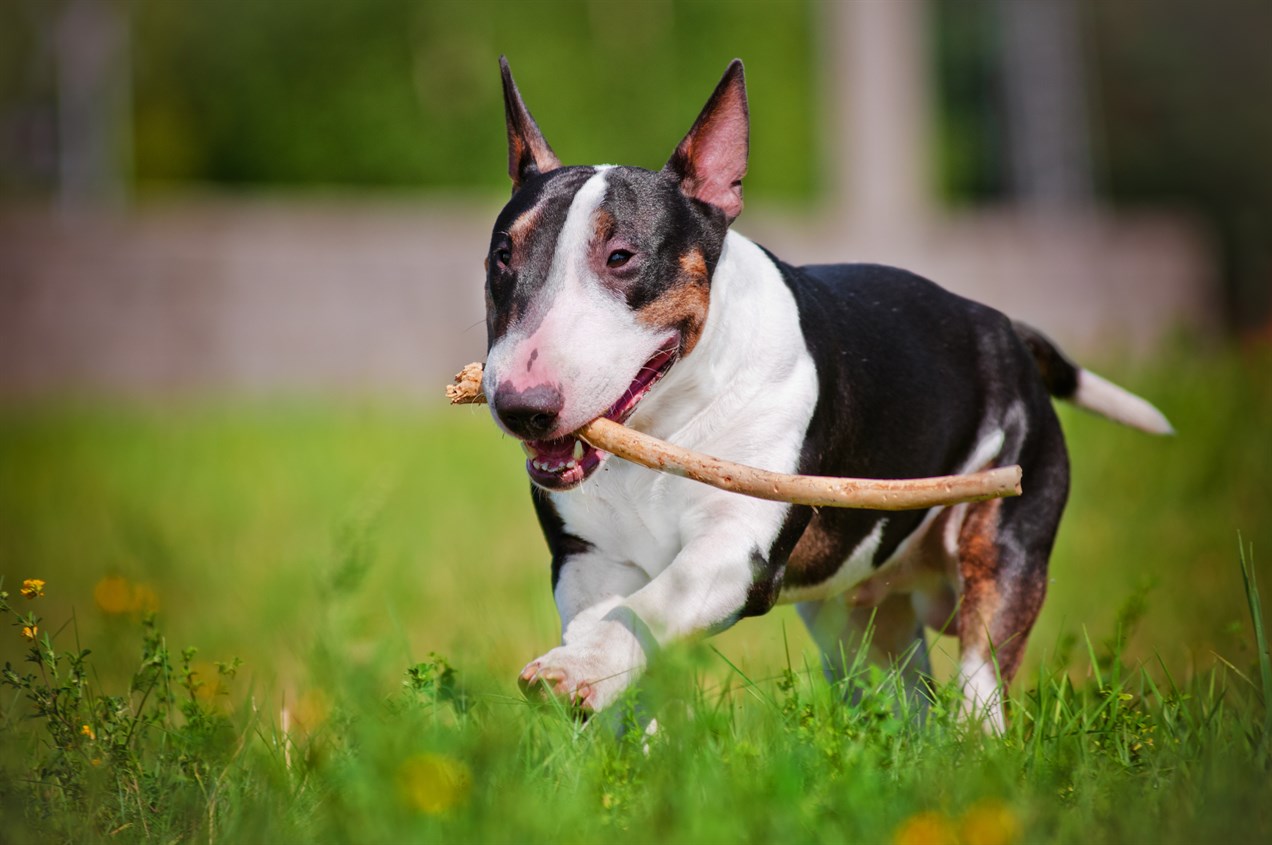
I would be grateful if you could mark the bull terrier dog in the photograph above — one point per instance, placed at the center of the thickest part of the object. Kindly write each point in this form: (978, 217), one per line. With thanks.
(620, 292)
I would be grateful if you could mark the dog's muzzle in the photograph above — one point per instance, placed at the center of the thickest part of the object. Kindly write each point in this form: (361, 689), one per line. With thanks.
(534, 414)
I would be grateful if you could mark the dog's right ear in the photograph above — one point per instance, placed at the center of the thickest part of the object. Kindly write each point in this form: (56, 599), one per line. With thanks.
(528, 152)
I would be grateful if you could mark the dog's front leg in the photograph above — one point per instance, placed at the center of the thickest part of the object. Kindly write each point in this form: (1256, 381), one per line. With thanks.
(589, 585)
(608, 634)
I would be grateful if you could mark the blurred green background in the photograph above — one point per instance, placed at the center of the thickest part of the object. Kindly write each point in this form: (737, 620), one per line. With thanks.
(405, 94)
(275, 516)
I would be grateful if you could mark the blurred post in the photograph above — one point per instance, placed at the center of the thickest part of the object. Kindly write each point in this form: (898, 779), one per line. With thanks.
(93, 103)
(1048, 140)
(880, 86)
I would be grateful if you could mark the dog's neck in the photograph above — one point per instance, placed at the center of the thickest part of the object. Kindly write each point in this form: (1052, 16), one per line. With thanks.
(751, 339)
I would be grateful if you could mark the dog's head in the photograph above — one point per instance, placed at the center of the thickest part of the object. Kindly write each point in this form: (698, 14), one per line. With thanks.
(598, 278)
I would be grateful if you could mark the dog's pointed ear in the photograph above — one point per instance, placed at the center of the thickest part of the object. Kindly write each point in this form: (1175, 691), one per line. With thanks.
(528, 152)
(711, 161)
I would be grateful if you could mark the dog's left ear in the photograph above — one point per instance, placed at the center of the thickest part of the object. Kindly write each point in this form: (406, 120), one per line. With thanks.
(711, 161)
(528, 151)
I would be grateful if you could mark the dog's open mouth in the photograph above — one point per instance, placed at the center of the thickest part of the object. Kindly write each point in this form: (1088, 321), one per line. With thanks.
(566, 461)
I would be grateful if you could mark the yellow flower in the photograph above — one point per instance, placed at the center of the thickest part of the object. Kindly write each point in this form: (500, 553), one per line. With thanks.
(114, 595)
(989, 822)
(32, 588)
(433, 783)
(29, 631)
(928, 828)
(88, 732)
(144, 599)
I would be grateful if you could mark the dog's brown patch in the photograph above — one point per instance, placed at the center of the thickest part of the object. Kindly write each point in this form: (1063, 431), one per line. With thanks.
(977, 569)
(694, 266)
(1001, 597)
(817, 550)
(603, 224)
(522, 228)
(978, 541)
(684, 305)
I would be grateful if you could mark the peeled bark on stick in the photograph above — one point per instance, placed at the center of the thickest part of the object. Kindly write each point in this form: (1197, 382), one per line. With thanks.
(817, 491)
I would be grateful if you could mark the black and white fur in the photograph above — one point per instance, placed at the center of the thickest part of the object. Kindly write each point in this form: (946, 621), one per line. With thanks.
(622, 292)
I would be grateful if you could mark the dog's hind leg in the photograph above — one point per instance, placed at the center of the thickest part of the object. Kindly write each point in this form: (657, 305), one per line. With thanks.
(890, 634)
(1003, 549)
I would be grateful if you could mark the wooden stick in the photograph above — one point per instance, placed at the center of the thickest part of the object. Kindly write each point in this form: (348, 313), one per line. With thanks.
(818, 491)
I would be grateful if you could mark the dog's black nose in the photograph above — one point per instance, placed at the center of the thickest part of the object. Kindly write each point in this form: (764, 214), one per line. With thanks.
(530, 414)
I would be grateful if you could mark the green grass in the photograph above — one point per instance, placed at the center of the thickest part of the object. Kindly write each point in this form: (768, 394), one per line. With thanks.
(335, 548)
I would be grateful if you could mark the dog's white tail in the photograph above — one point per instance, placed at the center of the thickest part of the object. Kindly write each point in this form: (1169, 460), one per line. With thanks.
(1066, 380)
(1107, 399)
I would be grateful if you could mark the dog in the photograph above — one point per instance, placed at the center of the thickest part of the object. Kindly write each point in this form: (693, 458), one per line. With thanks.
(621, 292)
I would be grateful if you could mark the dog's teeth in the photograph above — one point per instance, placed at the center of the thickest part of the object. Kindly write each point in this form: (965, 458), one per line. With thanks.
(578, 450)
(530, 451)
(572, 465)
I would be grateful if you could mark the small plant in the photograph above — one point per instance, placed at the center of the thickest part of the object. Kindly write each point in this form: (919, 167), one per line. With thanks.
(163, 744)
(433, 682)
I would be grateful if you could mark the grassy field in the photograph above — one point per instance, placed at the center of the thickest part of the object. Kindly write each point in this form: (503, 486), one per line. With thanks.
(378, 572)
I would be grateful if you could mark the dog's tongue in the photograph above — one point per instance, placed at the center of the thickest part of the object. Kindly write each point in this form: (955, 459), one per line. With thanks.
(562, 463)
(561, 449)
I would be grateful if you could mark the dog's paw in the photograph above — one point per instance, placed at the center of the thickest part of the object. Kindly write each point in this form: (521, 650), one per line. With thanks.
(538, 682)
(588, 679)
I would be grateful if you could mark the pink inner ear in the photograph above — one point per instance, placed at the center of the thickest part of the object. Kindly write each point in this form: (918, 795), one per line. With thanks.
(714, 155)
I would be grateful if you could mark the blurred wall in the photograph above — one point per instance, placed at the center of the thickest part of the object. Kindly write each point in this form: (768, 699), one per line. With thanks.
(241, 297)
(271, 297)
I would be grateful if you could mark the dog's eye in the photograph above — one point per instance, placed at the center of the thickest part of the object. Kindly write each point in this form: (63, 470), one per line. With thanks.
(503, 256)
(618, 258)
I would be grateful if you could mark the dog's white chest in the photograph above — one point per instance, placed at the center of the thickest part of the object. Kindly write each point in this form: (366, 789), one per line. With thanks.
(745, 394)
(630, 513)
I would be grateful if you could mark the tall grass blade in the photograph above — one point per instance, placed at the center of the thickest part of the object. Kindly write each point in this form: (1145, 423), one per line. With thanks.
(1251, 584)
(751, 687)
(1095, 661)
